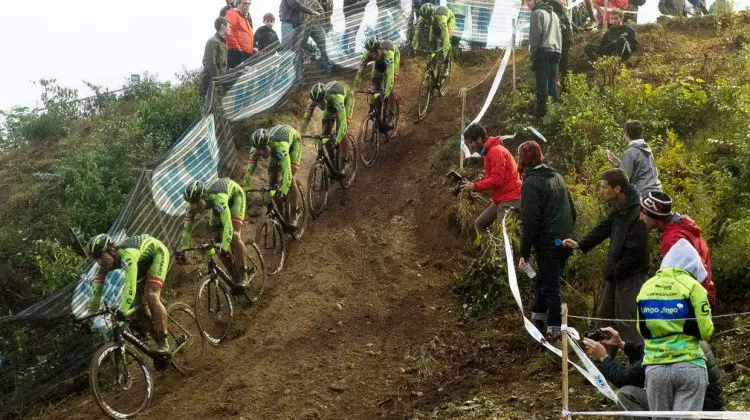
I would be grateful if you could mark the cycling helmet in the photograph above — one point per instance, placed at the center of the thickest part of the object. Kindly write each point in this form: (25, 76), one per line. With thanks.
(426, 9)
(194, 191)
(318, 92)
(372, 44)
(259, 139)
(98, 245)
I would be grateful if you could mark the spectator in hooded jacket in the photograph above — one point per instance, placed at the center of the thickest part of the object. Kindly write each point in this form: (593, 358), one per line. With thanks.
(631, 378)
(545, 41)
(215, 54)
(673, 317)
(657, 214)
(547, 217)
(240, 40)
(500, 175)
(627, 262)
(304, 15)
(638, 160)
(672, 7)
(265, 36)
(225, 9)
(619, 41)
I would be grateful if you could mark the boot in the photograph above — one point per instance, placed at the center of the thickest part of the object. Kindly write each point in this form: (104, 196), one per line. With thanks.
(162, 344)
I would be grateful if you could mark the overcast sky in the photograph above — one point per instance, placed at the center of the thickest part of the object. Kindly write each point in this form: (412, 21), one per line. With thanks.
(103, 42)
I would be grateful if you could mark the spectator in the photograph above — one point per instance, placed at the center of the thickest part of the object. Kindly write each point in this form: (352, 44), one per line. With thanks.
(672, 7)
(225, 9)
(215, 54)
(500, 175)
(545, 40)
(613, 5)
(547, 216)
(566, 30)
(265, 36)
(627, 262)
(354, 11)
(631, 18)
(674, 316)
(620, 40)
(699, 7)
(631, 379)
(240, 40)
(638, 160)
(294, 15)
(657, 214)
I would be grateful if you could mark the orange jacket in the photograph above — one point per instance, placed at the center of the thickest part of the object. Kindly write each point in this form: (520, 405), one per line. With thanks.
(241, 36)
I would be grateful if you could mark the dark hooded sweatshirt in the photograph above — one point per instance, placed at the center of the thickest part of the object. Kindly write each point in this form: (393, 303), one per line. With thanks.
(547, 210)
(628, 248)
(638, 162)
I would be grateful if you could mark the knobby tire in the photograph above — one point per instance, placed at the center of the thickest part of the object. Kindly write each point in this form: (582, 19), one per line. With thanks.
(111, 359)
(317, 183)
(272, 242)
(256, 271)
(351, 173)
(425, 91)
(188, 342)
(302, 219)
(214, 309)
(369, 140)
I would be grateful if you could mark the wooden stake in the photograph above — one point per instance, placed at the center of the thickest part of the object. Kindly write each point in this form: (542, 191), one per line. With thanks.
(605, 14)
(461, 156)
(564, 337)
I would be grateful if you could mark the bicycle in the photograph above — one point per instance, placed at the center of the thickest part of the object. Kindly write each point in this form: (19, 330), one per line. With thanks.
(435, 78)
(214, 296)
(324, 171)
(375, 124)
(118, 368)
(272, 233)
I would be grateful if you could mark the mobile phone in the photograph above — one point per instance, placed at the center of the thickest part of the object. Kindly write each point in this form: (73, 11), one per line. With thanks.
(609, 154)
(596, 335)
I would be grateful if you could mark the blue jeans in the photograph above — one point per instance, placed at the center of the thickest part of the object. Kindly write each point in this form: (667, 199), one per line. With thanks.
(545, 66)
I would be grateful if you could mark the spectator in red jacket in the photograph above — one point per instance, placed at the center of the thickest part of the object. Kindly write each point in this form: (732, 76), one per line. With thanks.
(240, 41)
(657, 214)
(500, 175)
(613, 4)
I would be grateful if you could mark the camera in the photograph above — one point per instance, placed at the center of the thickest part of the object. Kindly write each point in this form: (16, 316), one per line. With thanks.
(596, 335)
(456, 179)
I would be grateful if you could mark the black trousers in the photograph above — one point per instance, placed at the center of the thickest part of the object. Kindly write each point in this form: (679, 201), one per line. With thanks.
(236, 57)
(545, 66)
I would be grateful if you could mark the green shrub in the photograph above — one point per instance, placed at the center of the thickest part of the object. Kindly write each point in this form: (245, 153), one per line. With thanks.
(57, 266)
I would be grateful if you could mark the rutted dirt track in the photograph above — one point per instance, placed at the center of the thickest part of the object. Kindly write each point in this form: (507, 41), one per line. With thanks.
(367, 285)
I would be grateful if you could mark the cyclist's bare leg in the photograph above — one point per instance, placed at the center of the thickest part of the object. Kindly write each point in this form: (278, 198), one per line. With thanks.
(294, 195)
(143, 316)
(238, 249)
(152, 295)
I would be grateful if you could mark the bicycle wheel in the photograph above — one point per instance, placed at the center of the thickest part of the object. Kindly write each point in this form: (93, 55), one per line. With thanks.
(446, 80)
(317, 184)
(301, 214)
(351, 172)
(214, 309)
(256, 271)
(186, 338)
(425, 91)
(369, 141)
(121, 384)
(270, 238)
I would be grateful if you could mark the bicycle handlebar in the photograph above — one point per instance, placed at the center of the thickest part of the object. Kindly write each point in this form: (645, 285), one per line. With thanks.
(201, 247)
(371, 91)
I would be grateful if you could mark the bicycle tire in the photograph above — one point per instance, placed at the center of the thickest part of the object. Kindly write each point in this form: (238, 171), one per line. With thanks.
(425, 91)
(97, 369)
(256, 271)
(186, 338)
(273, 247)
(317, 184)
(445, 83)
(351, 172)
(215, 321)
(302, 218)
(369, 140)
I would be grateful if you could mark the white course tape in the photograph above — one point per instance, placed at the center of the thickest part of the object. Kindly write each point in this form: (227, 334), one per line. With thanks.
(491, 95)
(738, 415)
(591, 373)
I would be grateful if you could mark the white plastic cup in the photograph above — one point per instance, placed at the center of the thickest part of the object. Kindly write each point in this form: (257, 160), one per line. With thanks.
(529, 270)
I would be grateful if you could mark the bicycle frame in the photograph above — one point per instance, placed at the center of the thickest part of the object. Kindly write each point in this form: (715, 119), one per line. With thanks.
(376, 108)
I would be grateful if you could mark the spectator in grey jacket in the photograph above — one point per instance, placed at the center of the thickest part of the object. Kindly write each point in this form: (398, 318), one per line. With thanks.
(545, 38)
(215, 54)
(638, 160)
(296, 14)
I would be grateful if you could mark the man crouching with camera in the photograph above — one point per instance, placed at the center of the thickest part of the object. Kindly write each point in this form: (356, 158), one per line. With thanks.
(631, 378)
(500, 175)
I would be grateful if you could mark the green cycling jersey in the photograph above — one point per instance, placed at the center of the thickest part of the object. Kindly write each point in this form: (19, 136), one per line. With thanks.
(286, 153)
(386, 66)
(226, 200)
(443, 24)
(136, 255)
(338, 105)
